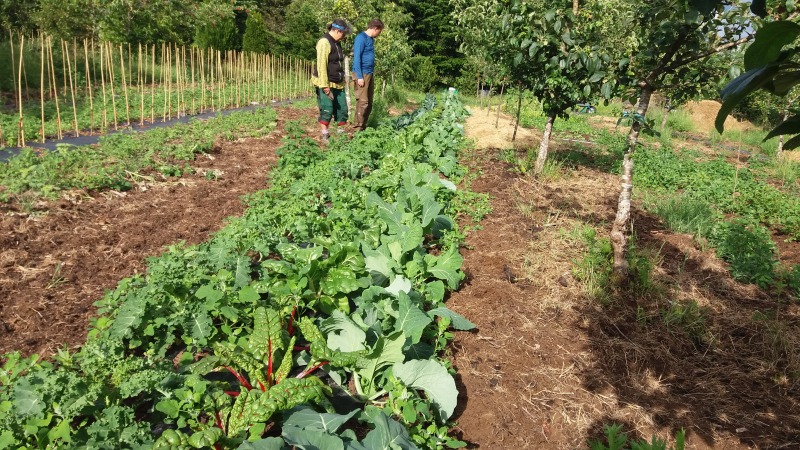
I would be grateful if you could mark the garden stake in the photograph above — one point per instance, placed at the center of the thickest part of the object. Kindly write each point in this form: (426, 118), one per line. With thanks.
(72, 90)
(88, 85)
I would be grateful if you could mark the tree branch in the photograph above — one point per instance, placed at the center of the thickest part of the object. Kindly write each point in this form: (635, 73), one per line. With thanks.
(713, 51)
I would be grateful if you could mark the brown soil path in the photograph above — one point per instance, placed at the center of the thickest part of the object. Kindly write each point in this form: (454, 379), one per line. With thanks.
(550, 365)
(56, 264)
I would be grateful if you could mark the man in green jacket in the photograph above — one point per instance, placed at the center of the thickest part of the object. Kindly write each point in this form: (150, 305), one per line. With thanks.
(328, 77)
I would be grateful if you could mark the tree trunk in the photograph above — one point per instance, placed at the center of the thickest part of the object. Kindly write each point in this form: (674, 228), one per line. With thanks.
(519, 110)
(383, 88)
(574, 6)
(545, 144)
(666, 113)
(619, 238)
(499, 105)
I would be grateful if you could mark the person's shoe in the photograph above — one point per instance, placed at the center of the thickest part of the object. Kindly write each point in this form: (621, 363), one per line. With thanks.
(326, 138)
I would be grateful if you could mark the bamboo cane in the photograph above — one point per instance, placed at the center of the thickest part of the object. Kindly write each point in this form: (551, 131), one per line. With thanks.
(153, 85)
(130, 64)
(140, 85)
(238, 77)
(41, 85)
(212, 78)
(124, 86)
(24, 73)
(164, 81)
(88, 85)
(112, 79)
(191, 56)
(201, 60)
(72, 91)
(54, 85)
(103, 84)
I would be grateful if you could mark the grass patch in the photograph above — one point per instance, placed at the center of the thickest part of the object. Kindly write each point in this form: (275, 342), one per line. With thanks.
(684, 214)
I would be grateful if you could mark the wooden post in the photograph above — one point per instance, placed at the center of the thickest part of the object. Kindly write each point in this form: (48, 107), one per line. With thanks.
(13, 62)
(21, 141)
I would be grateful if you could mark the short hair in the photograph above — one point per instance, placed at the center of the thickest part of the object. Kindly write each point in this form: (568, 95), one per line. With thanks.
(375, 23)
(341, 25)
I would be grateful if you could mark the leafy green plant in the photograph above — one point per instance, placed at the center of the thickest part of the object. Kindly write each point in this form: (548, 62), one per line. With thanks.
(685, 214)
(748, 249)
(688, 317)
(617, 440)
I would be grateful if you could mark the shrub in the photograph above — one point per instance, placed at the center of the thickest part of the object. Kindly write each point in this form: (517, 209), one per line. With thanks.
(421, 75)
(256, 36)
(217, 28)
(748, 249)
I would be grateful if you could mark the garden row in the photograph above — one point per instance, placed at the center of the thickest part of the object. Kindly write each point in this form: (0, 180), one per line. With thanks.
(315, 320)
(119, 159)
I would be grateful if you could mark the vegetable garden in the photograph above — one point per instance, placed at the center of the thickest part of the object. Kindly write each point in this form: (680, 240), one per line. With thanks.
(454, 276)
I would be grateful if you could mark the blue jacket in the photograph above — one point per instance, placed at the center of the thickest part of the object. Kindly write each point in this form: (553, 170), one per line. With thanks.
(363, 55)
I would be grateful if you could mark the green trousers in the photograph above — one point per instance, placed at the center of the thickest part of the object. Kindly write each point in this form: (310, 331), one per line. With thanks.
(332, 109)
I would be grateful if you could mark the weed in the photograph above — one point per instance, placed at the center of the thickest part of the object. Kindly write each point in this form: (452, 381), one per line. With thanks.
(617, 440)
(748, 249)
(684, 214)
(688, 317)
(552, 170)
(595, 269)
(56, 279)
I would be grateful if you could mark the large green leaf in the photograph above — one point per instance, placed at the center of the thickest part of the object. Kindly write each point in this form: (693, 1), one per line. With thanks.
(789, 126)
(312, 439)
(388, 434)
(740, 87)
(704, 6)
(200, 326)
(27, 399)
(446, 267)
(759, 8)
(339, 281)
(342, 333)
(412, 320)
(129, 316)
(388, 213)
(456, 320)
(388, 350)
(306, 418)
(433, 378)
(270, 443)
(770, 40)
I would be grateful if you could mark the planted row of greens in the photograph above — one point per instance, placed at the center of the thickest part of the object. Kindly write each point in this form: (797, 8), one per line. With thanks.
(710, 190)
(119, 158)
(315, 320)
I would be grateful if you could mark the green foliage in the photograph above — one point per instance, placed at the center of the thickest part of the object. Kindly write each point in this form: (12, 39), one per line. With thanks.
(688, 317)
(617, 440)
(685, 214)
(433, 34)
(748, 249)
(256, 38)
(217, 27)
(134, 22)
(421, 73)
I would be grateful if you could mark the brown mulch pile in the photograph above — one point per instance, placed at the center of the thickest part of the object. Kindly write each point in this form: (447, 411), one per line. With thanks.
(55, 264)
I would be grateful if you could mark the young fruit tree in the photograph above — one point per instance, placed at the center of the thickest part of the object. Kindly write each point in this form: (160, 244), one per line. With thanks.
(544, 52)
(671, 36)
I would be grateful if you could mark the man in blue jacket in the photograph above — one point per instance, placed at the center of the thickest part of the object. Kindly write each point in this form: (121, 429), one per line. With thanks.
(363, 69)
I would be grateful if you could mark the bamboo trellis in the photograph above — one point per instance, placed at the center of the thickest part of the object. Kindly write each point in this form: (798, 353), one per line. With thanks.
(174, 82)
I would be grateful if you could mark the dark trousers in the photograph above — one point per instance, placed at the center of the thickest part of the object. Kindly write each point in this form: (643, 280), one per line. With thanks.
(332, 109)
(363, 101)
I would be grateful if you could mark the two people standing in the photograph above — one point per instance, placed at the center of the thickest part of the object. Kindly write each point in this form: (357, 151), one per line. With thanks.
(329, 79)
